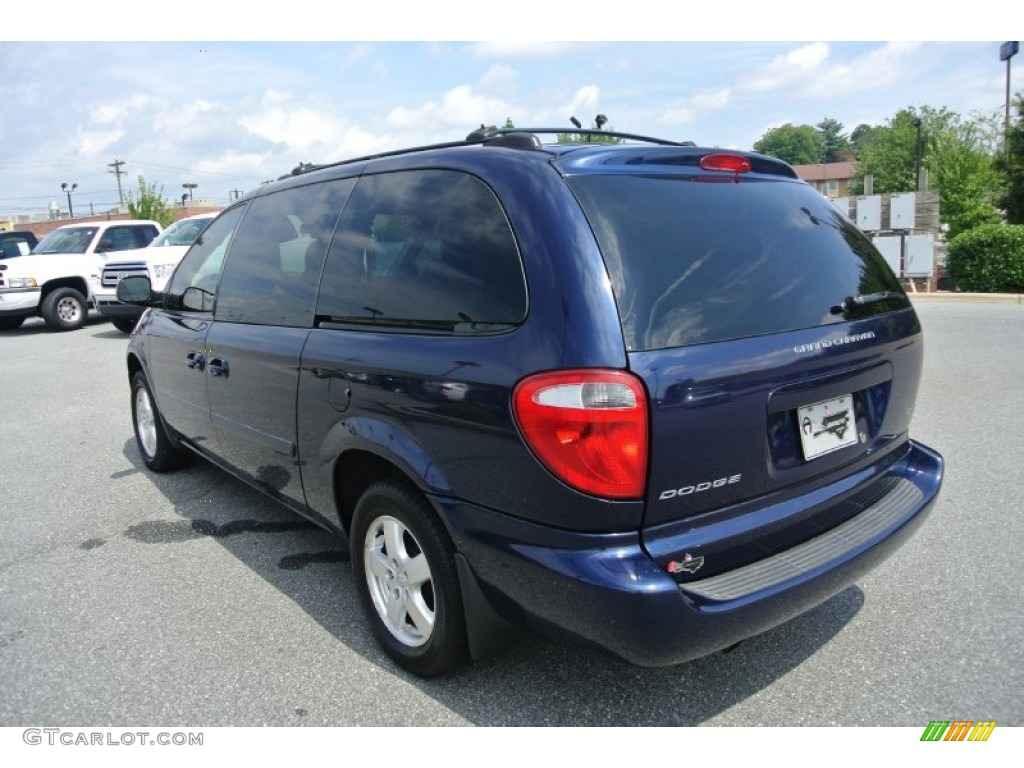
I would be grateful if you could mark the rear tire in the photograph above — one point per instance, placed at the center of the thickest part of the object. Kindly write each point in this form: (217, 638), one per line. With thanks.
(405, 574)
(64, 309)
(123, 324)
(159, 452)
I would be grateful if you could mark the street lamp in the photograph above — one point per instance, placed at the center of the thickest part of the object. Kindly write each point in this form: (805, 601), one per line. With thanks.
(68, 190)
(917, 154)
(1007, 51)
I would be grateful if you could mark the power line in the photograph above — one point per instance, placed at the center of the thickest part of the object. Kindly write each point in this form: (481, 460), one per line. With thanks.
(191, 170)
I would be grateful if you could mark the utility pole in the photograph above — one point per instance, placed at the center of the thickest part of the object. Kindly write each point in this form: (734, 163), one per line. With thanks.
(234, 194)
(1007, 51)
(116, 165)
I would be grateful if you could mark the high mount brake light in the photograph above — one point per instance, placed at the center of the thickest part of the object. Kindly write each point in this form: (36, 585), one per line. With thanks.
(724, 162)
(588, 427)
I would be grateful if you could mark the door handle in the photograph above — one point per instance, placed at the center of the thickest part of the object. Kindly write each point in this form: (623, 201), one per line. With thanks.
(195, 360)
(218, 367)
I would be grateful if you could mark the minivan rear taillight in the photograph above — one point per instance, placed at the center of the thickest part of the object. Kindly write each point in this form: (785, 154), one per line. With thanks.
(588, 427)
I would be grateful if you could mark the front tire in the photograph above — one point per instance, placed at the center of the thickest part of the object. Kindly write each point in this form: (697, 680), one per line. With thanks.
(64, 309)
(405, 574)
(159, 452)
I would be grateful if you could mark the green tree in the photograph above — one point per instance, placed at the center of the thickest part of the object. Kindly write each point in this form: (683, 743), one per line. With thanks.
(888, 154)
(835, 143)
(796, 144)
(958, 154)
(860, 136)
(962, 166)
(148, 203)
(1011, 165)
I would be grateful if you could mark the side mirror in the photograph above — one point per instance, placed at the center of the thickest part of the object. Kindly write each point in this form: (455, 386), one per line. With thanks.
(135, 290)
(197, 299)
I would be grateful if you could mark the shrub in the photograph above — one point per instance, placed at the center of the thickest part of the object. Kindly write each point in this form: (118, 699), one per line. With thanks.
(988, 259)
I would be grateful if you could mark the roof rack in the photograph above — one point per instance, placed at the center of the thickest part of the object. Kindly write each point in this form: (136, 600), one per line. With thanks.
(484, 134)
(521, 138)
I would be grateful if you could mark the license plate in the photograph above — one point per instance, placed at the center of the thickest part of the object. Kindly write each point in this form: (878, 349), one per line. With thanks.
(826, 426)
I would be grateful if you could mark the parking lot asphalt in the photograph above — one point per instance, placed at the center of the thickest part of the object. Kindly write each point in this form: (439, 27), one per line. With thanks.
(129, 598)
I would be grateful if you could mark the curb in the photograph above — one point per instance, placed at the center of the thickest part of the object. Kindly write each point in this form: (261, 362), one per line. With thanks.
(995, 298)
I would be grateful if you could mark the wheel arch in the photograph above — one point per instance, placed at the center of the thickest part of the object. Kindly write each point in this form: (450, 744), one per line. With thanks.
(358, 469)
(77, 282)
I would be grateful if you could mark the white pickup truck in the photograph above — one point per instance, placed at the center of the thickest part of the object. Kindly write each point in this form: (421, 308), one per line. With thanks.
(56, 280)
(156, 261)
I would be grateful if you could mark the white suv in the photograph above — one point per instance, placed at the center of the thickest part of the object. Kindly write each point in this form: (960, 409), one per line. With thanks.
(56, 279)
(156, 261)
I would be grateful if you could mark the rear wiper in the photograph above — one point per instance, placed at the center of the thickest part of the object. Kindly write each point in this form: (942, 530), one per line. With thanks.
(853, 302)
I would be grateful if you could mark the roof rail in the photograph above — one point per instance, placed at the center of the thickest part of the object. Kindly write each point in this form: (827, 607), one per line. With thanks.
(523, 138)
(485, 133)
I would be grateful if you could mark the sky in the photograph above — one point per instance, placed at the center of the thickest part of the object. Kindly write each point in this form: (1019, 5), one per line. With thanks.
(228, 113)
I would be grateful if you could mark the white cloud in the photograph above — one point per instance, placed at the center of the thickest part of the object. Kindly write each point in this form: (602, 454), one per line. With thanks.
(252, 164)
(811, 71)
(280, 120)
(790, 68)
(690, 110)
(712, 99)
(459, 107)
(498, 76)
(583, 101)
(92, 142)
(117, 111)
(357, 141)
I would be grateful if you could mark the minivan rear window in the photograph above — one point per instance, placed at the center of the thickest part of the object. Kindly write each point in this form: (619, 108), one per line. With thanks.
(693, 262)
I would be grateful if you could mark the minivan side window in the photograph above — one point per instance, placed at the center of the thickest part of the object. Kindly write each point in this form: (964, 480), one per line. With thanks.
(277, 256)
(193, 285)
(427, 250)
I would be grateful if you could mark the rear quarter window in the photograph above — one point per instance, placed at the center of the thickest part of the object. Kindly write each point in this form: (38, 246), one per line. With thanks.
(693, 262)
(425, 250)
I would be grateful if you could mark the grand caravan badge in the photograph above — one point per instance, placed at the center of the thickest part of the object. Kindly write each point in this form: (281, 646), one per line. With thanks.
(827, 343)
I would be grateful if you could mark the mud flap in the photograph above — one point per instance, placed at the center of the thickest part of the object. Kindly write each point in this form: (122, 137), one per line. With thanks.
(488, 634)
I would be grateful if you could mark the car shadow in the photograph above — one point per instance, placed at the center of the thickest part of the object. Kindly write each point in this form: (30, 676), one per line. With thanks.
(35, 325)
(110, 332)
(537, 682)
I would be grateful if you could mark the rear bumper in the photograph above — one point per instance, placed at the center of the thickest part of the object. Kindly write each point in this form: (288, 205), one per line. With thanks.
(607, 589)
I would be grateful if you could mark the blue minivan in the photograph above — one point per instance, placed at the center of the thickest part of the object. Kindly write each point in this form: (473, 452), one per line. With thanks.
(645, 395)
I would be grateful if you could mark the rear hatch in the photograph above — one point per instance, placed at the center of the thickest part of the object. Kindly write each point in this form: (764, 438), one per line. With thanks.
(780, 354)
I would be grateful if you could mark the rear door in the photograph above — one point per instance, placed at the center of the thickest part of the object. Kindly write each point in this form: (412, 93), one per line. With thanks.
(777, 347)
